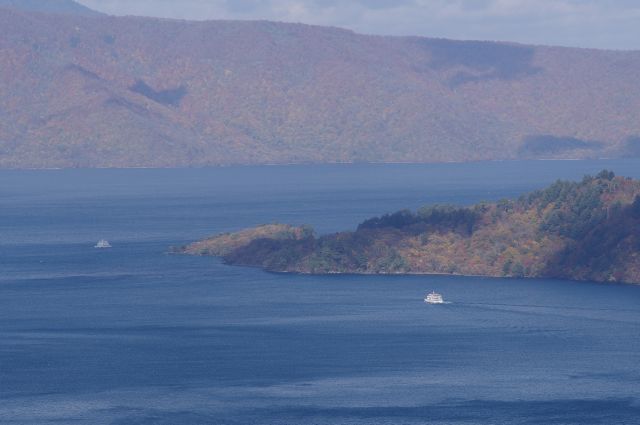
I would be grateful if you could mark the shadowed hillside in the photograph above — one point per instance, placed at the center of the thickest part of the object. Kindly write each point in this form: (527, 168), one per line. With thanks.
(104, 91)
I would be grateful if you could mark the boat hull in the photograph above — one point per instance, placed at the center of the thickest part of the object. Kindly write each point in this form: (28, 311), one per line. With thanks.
(433, 298)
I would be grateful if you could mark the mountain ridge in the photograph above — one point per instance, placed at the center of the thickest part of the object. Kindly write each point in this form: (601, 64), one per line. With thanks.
(51, 6)
(135, 92)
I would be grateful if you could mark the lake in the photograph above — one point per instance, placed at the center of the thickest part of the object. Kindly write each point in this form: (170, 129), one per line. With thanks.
(131, 335)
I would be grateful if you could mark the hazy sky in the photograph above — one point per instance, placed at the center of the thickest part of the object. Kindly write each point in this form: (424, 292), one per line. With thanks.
(613, 24)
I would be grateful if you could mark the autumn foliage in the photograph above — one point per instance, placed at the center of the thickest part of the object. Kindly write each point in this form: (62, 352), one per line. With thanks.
(103, 91)
(587, 230)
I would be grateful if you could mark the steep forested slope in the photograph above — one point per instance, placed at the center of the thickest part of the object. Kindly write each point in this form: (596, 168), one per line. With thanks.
(124, 91)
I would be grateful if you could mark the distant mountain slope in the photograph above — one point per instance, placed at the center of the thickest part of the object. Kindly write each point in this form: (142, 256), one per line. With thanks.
(588, 230)
(122, 91)
(50, 6)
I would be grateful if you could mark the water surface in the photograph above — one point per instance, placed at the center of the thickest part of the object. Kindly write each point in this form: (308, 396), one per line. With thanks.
(131, 335)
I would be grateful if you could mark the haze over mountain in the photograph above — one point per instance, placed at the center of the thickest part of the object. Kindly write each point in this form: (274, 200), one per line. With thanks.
(69, 7)
(103, 91)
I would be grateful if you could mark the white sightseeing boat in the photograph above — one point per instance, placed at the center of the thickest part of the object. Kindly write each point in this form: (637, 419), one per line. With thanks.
(103, 243)
(434, 298)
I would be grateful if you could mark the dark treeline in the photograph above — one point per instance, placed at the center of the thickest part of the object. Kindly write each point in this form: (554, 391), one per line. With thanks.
(447, 217)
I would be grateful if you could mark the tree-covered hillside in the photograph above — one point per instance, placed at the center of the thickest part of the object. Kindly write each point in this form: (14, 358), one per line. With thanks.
(105, 91)
(587, 230)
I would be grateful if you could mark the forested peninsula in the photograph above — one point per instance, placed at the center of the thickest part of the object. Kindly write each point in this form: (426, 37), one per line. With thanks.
(587, 230)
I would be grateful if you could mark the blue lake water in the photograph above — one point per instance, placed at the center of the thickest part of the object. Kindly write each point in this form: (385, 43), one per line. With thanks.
(131, 335)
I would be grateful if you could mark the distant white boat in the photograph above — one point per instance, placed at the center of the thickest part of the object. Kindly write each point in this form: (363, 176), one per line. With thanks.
(434, 298)
(103, 243)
